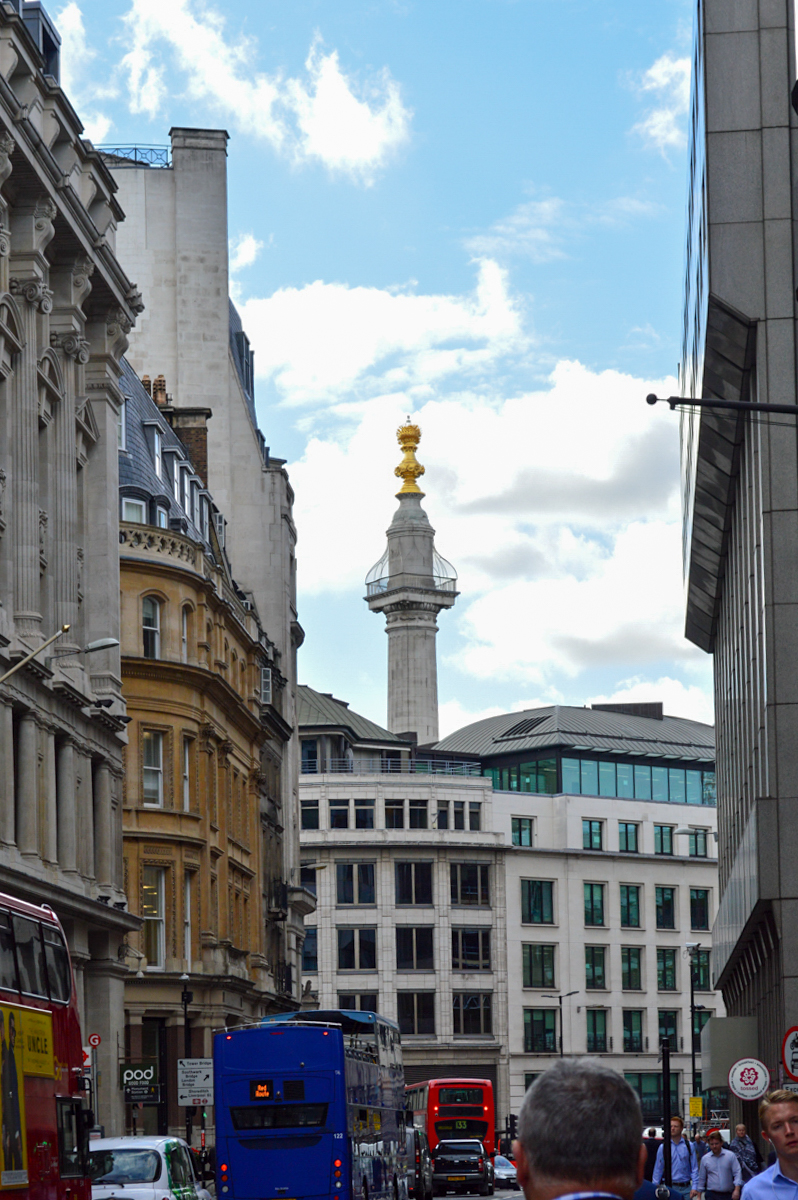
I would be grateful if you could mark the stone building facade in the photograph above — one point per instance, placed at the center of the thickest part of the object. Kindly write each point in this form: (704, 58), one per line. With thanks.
(66, 307)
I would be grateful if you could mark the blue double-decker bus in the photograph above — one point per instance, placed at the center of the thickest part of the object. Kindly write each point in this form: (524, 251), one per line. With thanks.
(311, 1106)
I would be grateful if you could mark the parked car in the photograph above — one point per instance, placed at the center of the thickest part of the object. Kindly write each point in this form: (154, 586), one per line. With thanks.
(143, 1168)
(419, 1165)
(461, 1166)
(505, 1174)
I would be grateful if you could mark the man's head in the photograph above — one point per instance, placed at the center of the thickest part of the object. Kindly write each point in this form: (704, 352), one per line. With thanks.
(677, 1125)
(740, 1131)
(715, 1142)
(651, 1132)
(778, 1114)
(608, 1156)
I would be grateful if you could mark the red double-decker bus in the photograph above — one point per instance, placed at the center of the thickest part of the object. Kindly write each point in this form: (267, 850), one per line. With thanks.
(44, 1127)
(454, 1108)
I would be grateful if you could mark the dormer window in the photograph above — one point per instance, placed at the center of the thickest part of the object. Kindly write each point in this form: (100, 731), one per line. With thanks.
(134, 511)
(158, 452)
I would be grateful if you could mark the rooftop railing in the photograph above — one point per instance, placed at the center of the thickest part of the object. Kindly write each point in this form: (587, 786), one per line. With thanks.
(379, 766)
(439, 583)
(137, 156)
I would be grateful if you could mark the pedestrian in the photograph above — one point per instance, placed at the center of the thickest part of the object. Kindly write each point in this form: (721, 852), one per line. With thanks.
(684, 1163)
(652, 1144)
(606, 1160)
(778, 1116)
(747, 1152)
(719, 1172)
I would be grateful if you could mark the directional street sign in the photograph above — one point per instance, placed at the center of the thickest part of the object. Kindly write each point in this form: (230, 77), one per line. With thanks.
(194, 1082)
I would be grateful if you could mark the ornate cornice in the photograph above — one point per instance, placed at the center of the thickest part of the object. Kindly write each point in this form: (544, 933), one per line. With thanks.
(73, 345)
(34, 290)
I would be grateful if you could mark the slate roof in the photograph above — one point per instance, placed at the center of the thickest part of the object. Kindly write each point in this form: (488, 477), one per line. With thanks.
(316, 709)
(539, 729)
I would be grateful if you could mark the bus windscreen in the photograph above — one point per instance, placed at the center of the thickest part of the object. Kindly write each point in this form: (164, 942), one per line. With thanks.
(460, 1095)
(278, 1116)
(460, 1129)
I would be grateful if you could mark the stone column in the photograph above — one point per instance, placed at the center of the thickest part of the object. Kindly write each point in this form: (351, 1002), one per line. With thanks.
(7, 821)
(85, 810)
(27, 792)
(50, 814)
(67, 807)
(103, 826)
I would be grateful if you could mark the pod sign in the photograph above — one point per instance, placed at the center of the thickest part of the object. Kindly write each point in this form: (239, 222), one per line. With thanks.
(136, 1074)
(749, 1079)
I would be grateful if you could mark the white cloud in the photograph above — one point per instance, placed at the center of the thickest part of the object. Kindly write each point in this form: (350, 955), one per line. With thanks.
(664, 125)
(78, 73)
(453, 716)
(325, 116)
(244, 251)
(678, 699)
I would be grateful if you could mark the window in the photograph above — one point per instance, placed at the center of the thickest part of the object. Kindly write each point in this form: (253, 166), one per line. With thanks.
(59, 975)
(157, 451)
(591, 835)
(668, 1018)
(529, 1079)
(699, 908)
(134, 511)
(310, 949)
(121, 425)
(413, 882)
(470, 884)
(537, 903)
(698, 843)
(666, 907)
(599, 777)
(475, 817)
(596, 1030)
(358, 1001)
(459, 814)
(205, 519)
(394, 814)
(162, 517)
(700, 1018)
(354, 883)
(310, 759)
(418, 814)
(627, 837)
(522, 831)
(472, 1013)
(152, 769)
(152, 910)
(631, 974)
(72, 1162)
(339, 814)
(307, 877)
(630, 906)
(151, 626)
(443, 815)
(540, 1030)
(414, 949)
(310, 814)
(364, 814)
(357, 949)
(538, 966)
(666, 970)
(187, 952)
(701, 971)
(470, 949)
(29, 956)
(663, 839)
(594, 904)
(594, 968)
(186, 774)
(416, 1011)
(632, 1031)
(184, 619)
(648, 1086)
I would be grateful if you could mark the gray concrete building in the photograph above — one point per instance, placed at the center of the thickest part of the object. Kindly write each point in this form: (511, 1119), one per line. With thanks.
(66, 308)
(740, 480)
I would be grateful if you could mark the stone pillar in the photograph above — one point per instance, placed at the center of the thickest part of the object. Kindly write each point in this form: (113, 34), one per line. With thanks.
(7, 820)
(50, 813)
(27, 792)
(84, 799)
(105, 1013)
(67, 807)
(103, 826)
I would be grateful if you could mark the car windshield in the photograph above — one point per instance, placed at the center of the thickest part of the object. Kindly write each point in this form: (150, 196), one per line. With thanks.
(501, 1161)
(124, 1166)
(458, 1148)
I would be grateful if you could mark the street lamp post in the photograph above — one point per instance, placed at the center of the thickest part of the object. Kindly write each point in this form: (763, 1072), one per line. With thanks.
(559, 999)
(23, 662)
(186, 998)
(692, 952)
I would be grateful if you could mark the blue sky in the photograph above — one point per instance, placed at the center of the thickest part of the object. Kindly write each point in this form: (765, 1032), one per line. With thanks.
(471, 211)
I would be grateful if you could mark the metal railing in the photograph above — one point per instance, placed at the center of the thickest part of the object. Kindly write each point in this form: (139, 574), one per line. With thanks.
(440, 583)
(137, 156)
(388, 766)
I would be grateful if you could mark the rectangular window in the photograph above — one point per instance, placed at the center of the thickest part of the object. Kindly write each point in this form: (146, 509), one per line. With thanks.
(475, 817)
(394, 814)
(310, 949)
(625, 780)
(659, 784)
(151, 627)
(663, 839)
(701, 971)
(414, 949)
(162, 517)
(416, 1012)
(459, 814)
(310, 759)
(666, 907)
(357, 949)
(699, 908)
(310, 814)
(540, 1030)
(472, 1014)
(607, 785)
(693, 787)
(666, 970)
(187, 951)
(364, 814)
(632, 1031)
(134, 512)
(571, 783)
(676, 786)
(307, 877)
(648, 1086)
(470, 884)
(631, 974)
(417, 813)
(591, 835)
(120, 426)
(152, 769)
(594, 968)
(186, 774)
(157, 443)
(339, 814)
(537, 902)
(594, 904)
(522, 831)
(630, 906)
(354, 883)
(589, 777)
(710, 795)
(266, 692)
(358, 1001)
(627, 837)
(470, 949)
(700, 1018)
(443, 816)
(698, 843)
(538, 966)
(596, 1030)
(413, 883)
(668, 1018)
(642, 782)
(153, 908)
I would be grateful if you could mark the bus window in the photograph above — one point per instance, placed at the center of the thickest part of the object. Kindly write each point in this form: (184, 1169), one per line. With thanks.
(279, 1116)
(57, 959)
(29, 956)
(70, 1153)
(8, 966)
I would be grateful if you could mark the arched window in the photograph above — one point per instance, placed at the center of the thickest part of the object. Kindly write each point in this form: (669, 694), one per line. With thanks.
(185, 631)
(151, 626)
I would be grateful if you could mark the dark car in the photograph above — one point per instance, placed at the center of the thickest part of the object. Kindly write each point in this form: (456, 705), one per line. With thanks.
(419, 1165)
(461, 1166)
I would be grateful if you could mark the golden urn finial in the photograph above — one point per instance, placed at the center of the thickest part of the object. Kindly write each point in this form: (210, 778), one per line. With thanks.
(409, 469)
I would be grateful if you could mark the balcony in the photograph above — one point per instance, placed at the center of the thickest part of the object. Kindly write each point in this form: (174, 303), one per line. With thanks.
(388, 766)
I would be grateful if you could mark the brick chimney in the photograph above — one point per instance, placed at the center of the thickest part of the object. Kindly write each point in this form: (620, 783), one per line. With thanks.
(146, 383)
(159, 391)
(191, 426)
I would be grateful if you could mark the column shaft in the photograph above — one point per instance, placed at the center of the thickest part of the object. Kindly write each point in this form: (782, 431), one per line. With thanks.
(103, 826)
(67, 808)
(27, 791)
(7, 821)
(50, 831)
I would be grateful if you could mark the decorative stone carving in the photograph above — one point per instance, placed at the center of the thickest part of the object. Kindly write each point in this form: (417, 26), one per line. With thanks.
(7, 146)
(117, 322)
(5, 242)
(135, 300)
(43, 519)
(82, 271)
(34, 291)
(73, 345)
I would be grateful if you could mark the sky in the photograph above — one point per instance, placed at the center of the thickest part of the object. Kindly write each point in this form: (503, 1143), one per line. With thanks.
(470, 212)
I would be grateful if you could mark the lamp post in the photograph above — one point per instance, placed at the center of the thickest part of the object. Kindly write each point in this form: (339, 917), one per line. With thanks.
(692, 952)
(186, 997)
(559, 999)
(23, 662)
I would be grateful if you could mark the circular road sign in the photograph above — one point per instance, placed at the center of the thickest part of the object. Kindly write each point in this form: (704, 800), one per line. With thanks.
(94, 1039)
(789, 1052)
(749, 1078)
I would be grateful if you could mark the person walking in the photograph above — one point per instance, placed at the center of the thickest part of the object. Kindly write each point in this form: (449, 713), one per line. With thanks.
(778, 1116)
(747, 1152)
(719, 1173)
(684, 1162)
(652, 1144)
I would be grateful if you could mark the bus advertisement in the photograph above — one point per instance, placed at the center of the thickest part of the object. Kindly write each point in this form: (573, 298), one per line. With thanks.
(44, 1126)
(313, 1102)
(454, 1108)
